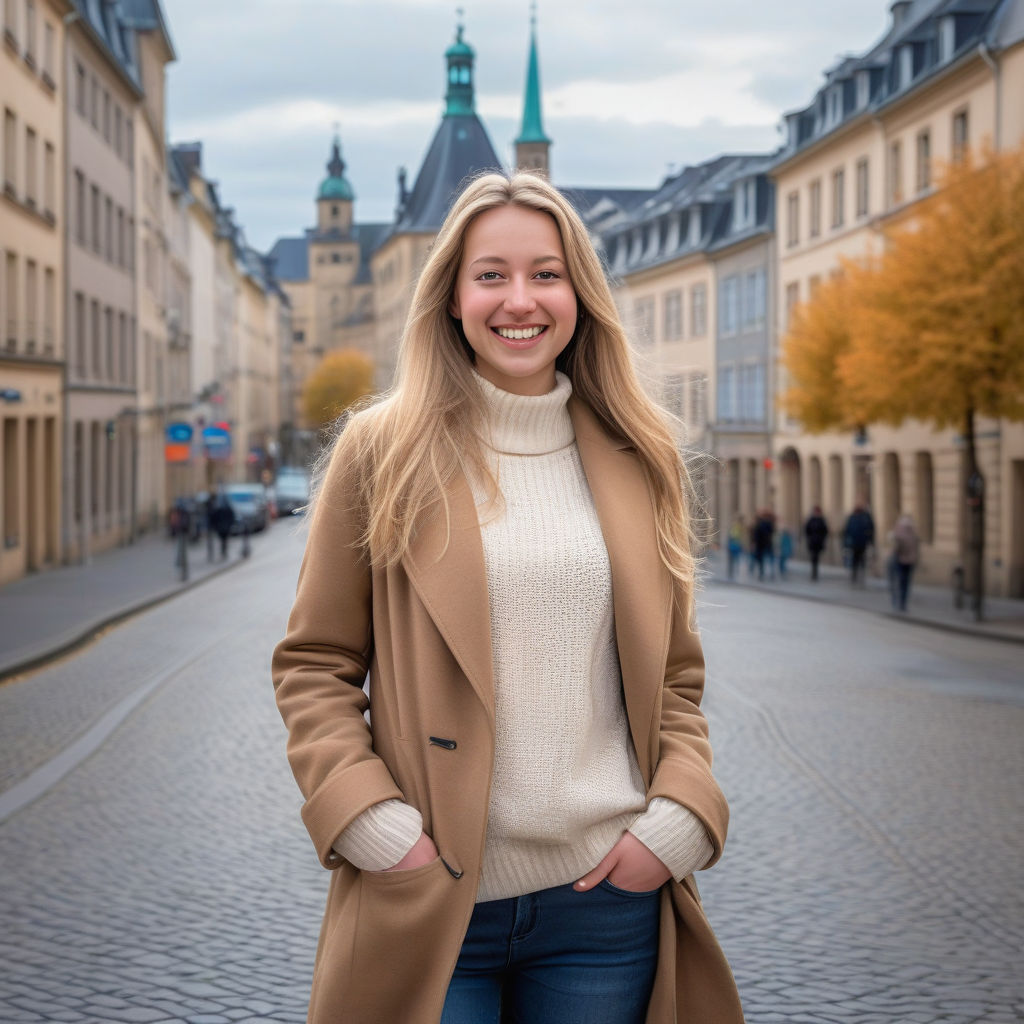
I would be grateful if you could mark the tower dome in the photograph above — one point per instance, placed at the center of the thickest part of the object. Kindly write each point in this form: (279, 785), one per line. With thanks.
(336, 185)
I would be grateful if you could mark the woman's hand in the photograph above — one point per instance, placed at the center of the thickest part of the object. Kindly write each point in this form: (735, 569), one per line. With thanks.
(627, 865)
(422, 852)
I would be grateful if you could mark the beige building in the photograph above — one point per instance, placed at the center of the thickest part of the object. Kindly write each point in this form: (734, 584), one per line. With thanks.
(154, 52)
(858, 157)
(32, 224)
(691, 267)
(99, 286)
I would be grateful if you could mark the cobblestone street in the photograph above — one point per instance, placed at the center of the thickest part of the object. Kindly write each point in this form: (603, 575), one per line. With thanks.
(873, 870)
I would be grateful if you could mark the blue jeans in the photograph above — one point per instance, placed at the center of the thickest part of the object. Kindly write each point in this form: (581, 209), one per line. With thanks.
(557, 957)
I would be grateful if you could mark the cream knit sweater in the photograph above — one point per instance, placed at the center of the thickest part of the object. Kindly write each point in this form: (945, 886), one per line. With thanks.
(566, 783)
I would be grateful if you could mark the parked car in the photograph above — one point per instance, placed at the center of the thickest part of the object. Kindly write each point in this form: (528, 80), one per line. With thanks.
(251, 507)
(291, 491)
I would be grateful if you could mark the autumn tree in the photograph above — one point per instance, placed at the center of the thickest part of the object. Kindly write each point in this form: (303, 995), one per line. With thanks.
(931, 329)
(341, 379)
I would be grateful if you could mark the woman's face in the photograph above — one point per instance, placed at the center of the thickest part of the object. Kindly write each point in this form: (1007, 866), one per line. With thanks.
(514, 298)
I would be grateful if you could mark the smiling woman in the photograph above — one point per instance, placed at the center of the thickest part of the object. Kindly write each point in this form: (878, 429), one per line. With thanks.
(503, 545)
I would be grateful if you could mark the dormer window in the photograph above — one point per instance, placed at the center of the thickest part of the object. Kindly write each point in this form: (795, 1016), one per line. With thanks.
(694, 236)
(863, 89)
(947, 38)
(835, 105)
(906, 66)
(744, 206)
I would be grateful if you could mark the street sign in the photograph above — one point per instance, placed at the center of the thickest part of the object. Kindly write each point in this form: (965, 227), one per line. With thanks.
(177, 452)
(179, 433)
(217, 442)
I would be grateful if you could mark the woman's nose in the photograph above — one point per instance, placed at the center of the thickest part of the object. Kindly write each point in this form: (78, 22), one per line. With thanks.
(518, 299)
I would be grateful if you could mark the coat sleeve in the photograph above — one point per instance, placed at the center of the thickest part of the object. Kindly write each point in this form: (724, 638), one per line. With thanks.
(319, 667)
(683, 771)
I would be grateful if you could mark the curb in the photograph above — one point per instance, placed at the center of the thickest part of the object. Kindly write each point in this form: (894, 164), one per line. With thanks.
(913, 620)
(80, 636)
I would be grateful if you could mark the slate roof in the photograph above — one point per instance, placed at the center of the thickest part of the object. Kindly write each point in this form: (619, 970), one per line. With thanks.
(290, 256)
(147, 16)
(909, 54)
(460, 149)
(110, 31)
(658, 228)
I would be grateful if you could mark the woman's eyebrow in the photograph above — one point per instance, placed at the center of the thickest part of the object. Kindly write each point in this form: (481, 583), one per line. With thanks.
(504, 262)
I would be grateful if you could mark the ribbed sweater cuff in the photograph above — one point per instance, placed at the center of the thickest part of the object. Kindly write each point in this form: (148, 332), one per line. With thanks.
(675, 835)
(381, 836)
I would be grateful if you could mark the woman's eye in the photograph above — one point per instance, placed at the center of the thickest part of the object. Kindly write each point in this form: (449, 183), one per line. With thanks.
(547, 275)
(489, 275)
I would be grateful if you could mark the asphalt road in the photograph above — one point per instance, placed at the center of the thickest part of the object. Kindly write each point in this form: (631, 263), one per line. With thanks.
(158, 870)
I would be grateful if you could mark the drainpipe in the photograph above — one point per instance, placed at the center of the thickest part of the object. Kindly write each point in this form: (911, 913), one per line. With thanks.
(986, 56)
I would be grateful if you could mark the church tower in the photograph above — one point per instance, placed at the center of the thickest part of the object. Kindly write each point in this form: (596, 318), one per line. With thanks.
(533, 146)
(335, 197)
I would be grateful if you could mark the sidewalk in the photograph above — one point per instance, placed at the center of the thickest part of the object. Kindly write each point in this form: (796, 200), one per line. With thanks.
(929, 605)
(47, 613)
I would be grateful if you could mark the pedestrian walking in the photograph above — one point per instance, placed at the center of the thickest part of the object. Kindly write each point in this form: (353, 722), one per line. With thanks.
(904, 555)
(734, 545)
(816, 534)
(764, 542)
(858, 536)
(223, 520)
(503, 544)
(208, 507)
(785, 550)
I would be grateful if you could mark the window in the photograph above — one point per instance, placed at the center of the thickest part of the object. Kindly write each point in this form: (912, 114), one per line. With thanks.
(49, 179)
(11, 475)
(11, 21)
(947, 38)
(643, 315)
(131, 243)
(122, 332)
(698, 396)
(118, 129)
(94, 325)
(129, 143)
(11, 290)
(107, 119)
(698, 310)
(95, 225)
(744, 204)
(960, 135)
(94, 102)
(80, 209)
(31, 304)
(298, 337)
(895, 174)
(31, 168)
(109, 229)
(30, 33)
(792, 300)
(108, 335)
(120, 237)
(863, 89)
(751, 404)
(814, 228)
(923, 176)
(728, 310)
(80, 89)
(10, 151)
(863, 195)
(80, 340)
(49, 37)
(753, 298)
(792, 218)
(838, 197)
(673, 315)
(49, 309)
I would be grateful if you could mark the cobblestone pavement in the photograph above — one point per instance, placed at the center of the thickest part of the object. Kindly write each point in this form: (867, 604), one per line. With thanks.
(872, 873)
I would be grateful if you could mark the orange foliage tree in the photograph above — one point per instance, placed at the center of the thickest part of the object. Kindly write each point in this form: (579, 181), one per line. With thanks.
(341, 379)
(931, 329)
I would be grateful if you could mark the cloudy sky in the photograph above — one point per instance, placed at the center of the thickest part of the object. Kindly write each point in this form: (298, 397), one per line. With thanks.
(630, 88)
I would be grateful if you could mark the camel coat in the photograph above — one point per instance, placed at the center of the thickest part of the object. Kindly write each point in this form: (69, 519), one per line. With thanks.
(421, 629)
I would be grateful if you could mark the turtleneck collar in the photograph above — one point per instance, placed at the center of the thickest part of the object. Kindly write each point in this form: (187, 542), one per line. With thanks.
(528, 424)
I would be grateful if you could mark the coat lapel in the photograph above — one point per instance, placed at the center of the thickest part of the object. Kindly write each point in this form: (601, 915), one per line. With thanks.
(451, 581)
(641, 585)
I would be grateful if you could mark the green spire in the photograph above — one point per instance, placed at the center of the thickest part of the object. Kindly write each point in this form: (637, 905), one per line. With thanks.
(459, 55)
(533, 129)
(336, 185)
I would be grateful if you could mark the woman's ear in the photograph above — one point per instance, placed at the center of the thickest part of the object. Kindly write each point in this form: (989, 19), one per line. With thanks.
(454, 308)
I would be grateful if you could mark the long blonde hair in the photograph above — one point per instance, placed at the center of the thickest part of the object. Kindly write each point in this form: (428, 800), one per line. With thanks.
(426, 429)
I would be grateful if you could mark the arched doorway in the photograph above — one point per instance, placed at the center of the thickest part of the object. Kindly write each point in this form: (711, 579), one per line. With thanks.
(790, 488)
(890, 490)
